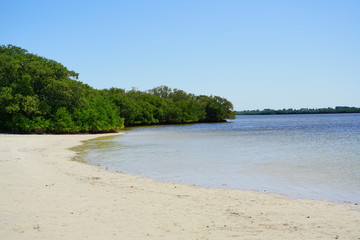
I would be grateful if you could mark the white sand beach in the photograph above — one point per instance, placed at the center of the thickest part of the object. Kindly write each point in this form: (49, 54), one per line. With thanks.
(46, 195)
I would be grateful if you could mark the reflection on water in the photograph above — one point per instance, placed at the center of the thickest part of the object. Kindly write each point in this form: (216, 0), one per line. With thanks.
(311, 156)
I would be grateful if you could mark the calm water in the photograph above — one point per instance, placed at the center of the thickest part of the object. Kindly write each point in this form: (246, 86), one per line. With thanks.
(304, 156)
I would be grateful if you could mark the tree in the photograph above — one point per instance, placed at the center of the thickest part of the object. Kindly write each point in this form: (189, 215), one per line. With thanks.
(41, 95)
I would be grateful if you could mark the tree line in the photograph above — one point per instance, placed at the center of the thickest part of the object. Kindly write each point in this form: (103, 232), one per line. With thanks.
(338, 109)
(39, 95)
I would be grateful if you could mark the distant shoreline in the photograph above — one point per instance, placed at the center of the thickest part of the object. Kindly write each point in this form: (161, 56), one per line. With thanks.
(335, 110)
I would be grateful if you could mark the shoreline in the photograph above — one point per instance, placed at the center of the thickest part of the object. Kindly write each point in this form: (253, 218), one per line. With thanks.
(46, 195)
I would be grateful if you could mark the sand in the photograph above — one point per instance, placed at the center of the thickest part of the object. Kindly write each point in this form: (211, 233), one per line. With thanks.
(46, 195)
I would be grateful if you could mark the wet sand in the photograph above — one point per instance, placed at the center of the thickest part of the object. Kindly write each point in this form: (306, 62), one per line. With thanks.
(46, 195)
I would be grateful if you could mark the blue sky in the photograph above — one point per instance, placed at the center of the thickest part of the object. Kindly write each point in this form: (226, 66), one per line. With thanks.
(256, 53)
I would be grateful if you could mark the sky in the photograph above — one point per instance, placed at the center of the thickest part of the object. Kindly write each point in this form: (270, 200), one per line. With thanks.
(256, 53)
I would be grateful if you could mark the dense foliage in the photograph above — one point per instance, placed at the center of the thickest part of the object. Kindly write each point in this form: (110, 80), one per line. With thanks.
(339, 109)
(163, 105)
(41, 95)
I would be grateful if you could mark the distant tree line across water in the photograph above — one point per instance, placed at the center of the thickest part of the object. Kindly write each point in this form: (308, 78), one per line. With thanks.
(338, 109)
(39, 95)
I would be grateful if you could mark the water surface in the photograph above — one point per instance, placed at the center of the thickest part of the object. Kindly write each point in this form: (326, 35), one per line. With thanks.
(303, 156)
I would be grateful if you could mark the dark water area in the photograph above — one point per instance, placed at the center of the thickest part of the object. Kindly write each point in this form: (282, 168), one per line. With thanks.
(302, 156)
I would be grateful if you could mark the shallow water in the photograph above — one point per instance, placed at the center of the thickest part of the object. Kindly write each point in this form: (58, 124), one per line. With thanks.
(304, 156)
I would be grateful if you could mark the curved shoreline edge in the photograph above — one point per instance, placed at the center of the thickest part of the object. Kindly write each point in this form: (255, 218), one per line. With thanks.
(44, 195)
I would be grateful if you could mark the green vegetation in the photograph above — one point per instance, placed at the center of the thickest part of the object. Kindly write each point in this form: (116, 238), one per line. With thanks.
(339, 109)
(163, 105)
(38, 95)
